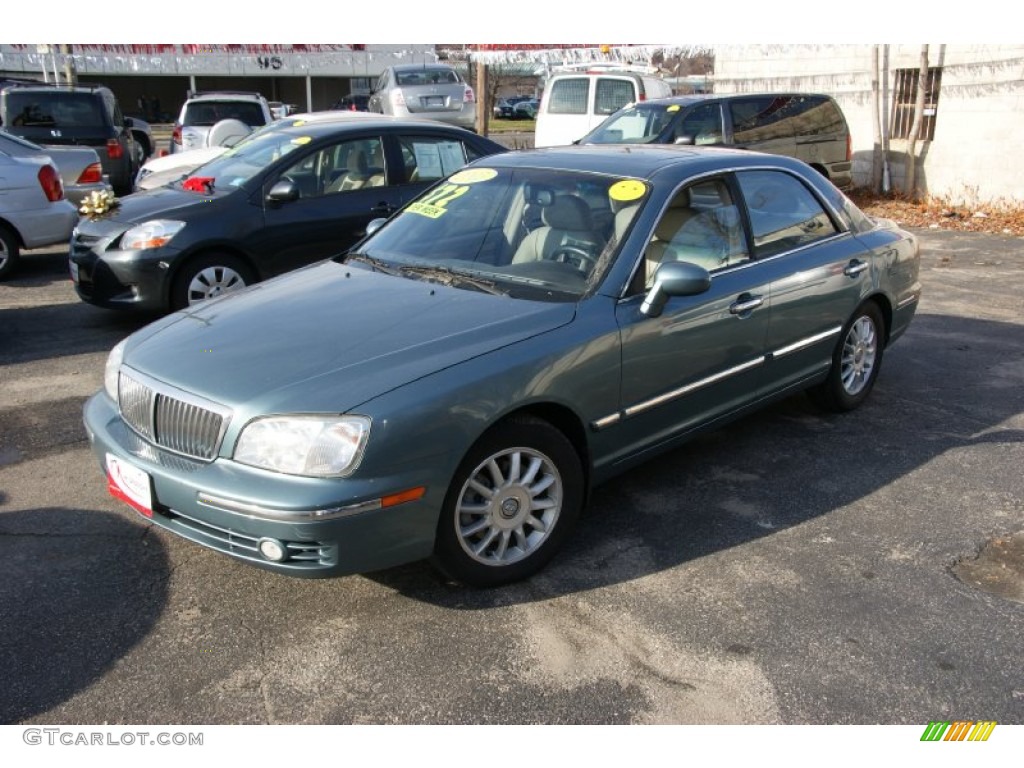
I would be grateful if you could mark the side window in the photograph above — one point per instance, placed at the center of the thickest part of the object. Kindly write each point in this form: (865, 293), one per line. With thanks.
(760, 118)
(429, 158)
(702, 124)
(819, 115)
(612, 95)
(342, 167)
(783, 213)
(701, 225)
(569, 96)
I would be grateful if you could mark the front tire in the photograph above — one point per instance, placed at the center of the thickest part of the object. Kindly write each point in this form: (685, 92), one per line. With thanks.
(208, 277)
(511, 504)
(855, 361)
(9, 252)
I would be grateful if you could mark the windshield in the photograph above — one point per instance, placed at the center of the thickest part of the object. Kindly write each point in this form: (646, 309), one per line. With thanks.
(53, 109)
(636, 124)
(539, 234)
(250, 156)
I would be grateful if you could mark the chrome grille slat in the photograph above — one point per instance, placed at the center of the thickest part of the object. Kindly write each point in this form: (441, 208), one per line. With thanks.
(169, 420)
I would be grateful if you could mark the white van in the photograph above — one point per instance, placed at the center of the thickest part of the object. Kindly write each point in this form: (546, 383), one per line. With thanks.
(574, 102)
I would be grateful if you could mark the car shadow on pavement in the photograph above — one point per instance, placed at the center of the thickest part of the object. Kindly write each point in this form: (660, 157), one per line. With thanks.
(948, 385)
(70, 612)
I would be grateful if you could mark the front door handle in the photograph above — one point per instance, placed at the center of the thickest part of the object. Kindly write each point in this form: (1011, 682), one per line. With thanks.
(855, 267)
(746, 304)
(383, 209)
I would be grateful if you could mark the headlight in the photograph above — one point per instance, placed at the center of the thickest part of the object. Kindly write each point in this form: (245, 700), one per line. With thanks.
(329, 446)
(112, 369)
(152, 234)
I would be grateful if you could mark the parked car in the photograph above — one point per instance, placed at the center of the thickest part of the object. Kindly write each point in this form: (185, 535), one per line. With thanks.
(457, 385)
(80, 115)
(354, 102)
(80, 170)
(201, 111)
(576, 101)
(163, 170)
(142, 135)
(526, 110)
(808, 126)
(283, 197)
(434, 91)
(504, 107)
(33, 210)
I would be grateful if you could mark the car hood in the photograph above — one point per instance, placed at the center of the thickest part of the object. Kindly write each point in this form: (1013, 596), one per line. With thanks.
(159, 203)
(193, 158)
(329, 338)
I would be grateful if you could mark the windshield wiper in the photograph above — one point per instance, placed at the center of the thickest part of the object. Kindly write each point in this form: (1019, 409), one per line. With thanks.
(448, 276)
(377, 264)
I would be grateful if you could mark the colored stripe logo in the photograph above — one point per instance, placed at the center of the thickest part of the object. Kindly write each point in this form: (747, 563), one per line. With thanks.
(958, 730)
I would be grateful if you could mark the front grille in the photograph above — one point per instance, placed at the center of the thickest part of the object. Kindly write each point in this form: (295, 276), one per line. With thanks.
(174, 420)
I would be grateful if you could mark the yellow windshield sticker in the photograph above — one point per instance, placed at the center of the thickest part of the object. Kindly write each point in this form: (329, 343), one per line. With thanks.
(298, 123)
(302, 140)
(473, 175)
(672, 108)
(425, 209)
(627, 190)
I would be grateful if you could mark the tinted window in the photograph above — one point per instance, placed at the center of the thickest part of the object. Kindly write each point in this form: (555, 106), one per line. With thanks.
(613, 95)
(206, 113)
(761, 118)
(428, 76)
(783, 213)
(56, 109)
(817, 115)
(569, 96)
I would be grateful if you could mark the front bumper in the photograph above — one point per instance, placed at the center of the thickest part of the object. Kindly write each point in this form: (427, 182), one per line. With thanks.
(117, 279)
(191, 499)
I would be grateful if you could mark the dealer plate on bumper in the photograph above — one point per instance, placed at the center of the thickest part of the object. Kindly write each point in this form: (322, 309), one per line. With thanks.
(130, 484)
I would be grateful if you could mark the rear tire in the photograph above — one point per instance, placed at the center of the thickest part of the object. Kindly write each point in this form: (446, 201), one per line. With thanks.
(855, 361)
(10, 252)
(511, 504)
(208, 277)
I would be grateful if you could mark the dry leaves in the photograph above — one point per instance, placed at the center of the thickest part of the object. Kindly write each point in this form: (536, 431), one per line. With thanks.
(939, 214)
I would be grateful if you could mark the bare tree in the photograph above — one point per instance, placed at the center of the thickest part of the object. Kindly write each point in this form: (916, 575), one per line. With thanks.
(910, 182)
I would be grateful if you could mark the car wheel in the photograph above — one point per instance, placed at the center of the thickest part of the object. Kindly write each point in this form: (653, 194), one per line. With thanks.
(208, 277)
(855, 361)
(511, 504)
(9, 252)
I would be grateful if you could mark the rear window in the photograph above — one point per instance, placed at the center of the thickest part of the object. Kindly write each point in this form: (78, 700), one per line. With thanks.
(427, 77)
(613, 95)
(207, 113)
(53, 110)
(569, 96)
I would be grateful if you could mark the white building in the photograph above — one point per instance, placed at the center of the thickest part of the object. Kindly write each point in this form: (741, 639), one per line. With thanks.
(972, 150)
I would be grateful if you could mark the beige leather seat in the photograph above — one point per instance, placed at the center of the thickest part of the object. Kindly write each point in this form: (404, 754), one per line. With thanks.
(565, 223)
(667, 229)
(356, 175)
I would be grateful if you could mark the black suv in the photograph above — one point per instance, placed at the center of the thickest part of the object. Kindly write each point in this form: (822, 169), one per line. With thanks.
(85, 115)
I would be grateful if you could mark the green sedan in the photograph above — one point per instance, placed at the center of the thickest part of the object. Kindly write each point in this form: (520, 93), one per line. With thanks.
(457, 384)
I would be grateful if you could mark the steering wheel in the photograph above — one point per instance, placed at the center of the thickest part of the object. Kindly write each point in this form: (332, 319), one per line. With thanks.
(574, 256)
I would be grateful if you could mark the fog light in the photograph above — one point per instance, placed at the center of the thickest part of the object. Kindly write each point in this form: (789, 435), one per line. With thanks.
(272, 549)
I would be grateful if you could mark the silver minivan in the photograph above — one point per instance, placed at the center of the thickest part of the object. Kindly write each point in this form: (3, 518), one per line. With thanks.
(434, 91)
(808, 126)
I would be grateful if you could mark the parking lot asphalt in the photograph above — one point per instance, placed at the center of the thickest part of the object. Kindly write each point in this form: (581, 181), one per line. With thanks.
(793, 567)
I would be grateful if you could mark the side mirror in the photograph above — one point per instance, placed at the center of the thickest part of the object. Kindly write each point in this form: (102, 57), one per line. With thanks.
(129, 123)
(283, 192)
(374, 225)
(674, 278)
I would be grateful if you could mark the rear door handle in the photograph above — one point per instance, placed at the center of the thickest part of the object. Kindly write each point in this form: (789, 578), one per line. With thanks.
(746, 304)
(855, 267)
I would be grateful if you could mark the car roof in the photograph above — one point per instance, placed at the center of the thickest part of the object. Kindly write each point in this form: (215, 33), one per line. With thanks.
(226, 96)
(318, 123)
(640, 160)
(693, 98)
(420, 67)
